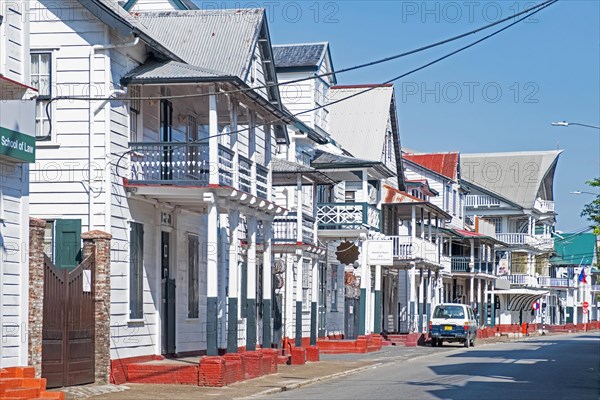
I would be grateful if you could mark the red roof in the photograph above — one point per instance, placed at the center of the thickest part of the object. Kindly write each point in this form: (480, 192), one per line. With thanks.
(445, 164)
(468, 233)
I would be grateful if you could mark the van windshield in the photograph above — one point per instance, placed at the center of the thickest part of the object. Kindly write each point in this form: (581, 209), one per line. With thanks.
(449, 312)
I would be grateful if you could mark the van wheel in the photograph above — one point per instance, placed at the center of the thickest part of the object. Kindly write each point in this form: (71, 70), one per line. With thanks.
(466, 343)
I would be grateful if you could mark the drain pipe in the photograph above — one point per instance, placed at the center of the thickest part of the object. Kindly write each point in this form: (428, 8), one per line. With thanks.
(91, 113)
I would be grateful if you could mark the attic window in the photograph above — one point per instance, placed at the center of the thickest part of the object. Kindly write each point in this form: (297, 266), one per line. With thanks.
(253, 70)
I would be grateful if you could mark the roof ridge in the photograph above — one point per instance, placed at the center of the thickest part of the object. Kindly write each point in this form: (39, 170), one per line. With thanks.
(200, 11)
(326, 43)
(507, 153)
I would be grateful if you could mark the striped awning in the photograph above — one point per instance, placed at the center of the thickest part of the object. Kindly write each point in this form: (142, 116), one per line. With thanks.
(521, 299)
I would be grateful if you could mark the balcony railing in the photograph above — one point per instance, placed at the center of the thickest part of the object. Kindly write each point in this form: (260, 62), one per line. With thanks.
(475, 201)
(595, 288)
(461, 264)
(285, 229)
(348, 216)
(166, 162)
(226, 168)
(555, 282)
(521, 279)
(544, 206)
(407, 248)
(541, 241)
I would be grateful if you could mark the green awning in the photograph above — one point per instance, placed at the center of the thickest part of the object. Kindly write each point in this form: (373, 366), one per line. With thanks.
(574, 249)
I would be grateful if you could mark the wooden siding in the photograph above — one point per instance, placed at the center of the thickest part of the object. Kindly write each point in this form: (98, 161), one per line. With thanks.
(14, 275)
(14, 41)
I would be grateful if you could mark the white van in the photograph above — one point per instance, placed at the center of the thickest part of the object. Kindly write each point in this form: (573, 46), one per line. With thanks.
(452, 322)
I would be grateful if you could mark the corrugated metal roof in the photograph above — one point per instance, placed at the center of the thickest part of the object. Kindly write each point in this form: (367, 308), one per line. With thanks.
(574, 249)
(445, 164)
(519, 177)
(359, 124)
(299, 55)
(167, 70)
(220, 40)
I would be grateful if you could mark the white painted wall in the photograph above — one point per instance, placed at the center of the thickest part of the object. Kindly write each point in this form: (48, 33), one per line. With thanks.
(14, 40)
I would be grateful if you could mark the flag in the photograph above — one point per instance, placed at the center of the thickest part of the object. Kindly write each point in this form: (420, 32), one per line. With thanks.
(582, 277)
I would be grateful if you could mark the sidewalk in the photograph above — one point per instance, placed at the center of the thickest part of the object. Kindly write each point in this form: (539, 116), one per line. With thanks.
(288, 377)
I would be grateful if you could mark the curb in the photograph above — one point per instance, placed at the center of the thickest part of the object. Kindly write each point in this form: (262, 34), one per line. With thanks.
(293, 386)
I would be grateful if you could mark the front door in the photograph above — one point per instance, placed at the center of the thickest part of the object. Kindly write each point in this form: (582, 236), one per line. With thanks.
(351, 314)
(168, 299)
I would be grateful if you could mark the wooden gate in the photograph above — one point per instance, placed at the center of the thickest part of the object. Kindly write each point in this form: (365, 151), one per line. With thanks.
(68, 355)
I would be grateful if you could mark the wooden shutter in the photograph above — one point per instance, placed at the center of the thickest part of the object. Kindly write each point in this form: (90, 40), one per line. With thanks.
(136, 271)
(67, 243)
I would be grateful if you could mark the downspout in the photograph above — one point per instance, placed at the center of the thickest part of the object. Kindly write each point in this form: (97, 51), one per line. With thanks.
(91, 113)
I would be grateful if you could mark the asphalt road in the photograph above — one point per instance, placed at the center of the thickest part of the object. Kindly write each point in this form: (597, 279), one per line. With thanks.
(553, 367)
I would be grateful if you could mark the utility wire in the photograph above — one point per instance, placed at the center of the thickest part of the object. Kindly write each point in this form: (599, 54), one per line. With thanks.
(535, 9)
(547, 4)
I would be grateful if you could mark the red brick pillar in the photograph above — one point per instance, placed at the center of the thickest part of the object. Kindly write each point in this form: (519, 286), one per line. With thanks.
(36, 293)
(98, 242)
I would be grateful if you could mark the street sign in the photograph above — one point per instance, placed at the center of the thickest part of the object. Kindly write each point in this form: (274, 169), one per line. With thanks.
(535, 305)
(585, 310)
(380, 252)
(585, 304)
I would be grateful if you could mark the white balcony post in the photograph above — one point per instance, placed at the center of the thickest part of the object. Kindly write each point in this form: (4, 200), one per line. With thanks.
(429, 226)
(485, 302)
(479, 300)
(252, 151)
(472, 259)
(314, 300)
(267, 283)
(299, 209)
(213, 141)
(233, 116)
(233, 300)
(421, 298)
(365, 187)
(251, 285)
(413, 225)
(422, 224)
(493, 301)
(314, 215)
(471, 292)
(212, 275)
(412, 290)
(268, 159)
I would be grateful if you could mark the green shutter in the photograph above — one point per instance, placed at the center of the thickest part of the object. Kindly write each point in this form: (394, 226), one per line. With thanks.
(67, 243)
(244, 291)
(136, 268)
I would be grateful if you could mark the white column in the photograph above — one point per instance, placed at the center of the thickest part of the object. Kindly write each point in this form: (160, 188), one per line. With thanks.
(213, 141)
(251, 285)
(412, 295)
(212, 278)
(252, 151)
(299, 209)
(267, 284)
(314, 299)
(420, 302)
(472, 291)
(233, 117)
(233, 293)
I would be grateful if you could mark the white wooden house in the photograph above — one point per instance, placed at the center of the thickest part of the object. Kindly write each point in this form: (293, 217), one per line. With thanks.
(17, 151)
(178, 171)
(514, 192)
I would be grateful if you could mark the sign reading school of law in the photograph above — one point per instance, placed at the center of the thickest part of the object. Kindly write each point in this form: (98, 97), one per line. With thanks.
(17, 130)
(380, 252)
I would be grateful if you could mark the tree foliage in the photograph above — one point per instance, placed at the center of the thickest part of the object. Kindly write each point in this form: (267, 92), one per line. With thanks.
(592, 210)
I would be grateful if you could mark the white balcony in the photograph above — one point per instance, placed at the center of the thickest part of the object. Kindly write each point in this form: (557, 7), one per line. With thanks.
(407, 248)
(476, 201)
(342, 216)
(521, 279)
(543, 242)
(544, 206)
(546, 281)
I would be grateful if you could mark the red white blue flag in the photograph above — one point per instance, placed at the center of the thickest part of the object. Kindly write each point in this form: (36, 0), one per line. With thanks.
(582, 276)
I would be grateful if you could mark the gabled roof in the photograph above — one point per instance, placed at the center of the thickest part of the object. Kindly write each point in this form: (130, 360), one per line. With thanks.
(444, 164)
(308, 55)
(574, 249)
(326, 160)
(115, 16)
(221, 40)
(519, 177)
(422, 183)
(359, 124)
(165, 71)
(180, 4)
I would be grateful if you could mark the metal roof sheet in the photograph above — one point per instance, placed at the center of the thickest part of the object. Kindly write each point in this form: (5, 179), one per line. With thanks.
(299, 55)
(167, 70)
(445, 164)
(574, 249)
(359, 124)
(520, 177)
(221, 40)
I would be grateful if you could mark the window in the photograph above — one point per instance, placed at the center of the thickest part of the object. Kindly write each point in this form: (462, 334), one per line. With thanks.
(136, 270)
(253, 70)
(390, 147)
(193, 294)
(49, 240)
(306, 280)
(460, 205)
(448, 191)
(334, 288)
(350, 196)
(497, 221)
(134, 114)
(454, 202)
(41, 79)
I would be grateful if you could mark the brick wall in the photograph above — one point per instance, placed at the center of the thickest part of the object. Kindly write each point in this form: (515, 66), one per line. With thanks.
(36, 293)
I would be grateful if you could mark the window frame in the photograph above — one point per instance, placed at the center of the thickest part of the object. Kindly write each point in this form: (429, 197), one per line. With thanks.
(42, 100)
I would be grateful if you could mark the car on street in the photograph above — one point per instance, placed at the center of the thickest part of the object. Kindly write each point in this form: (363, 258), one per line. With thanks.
(453, 322)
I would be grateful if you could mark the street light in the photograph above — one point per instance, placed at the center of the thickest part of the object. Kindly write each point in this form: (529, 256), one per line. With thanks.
(582, 192)
(565, 123)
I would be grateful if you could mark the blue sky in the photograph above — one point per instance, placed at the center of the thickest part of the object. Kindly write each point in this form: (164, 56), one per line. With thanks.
(500, 95)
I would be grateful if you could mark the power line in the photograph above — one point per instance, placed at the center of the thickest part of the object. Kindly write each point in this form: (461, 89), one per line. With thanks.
(528, 12)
